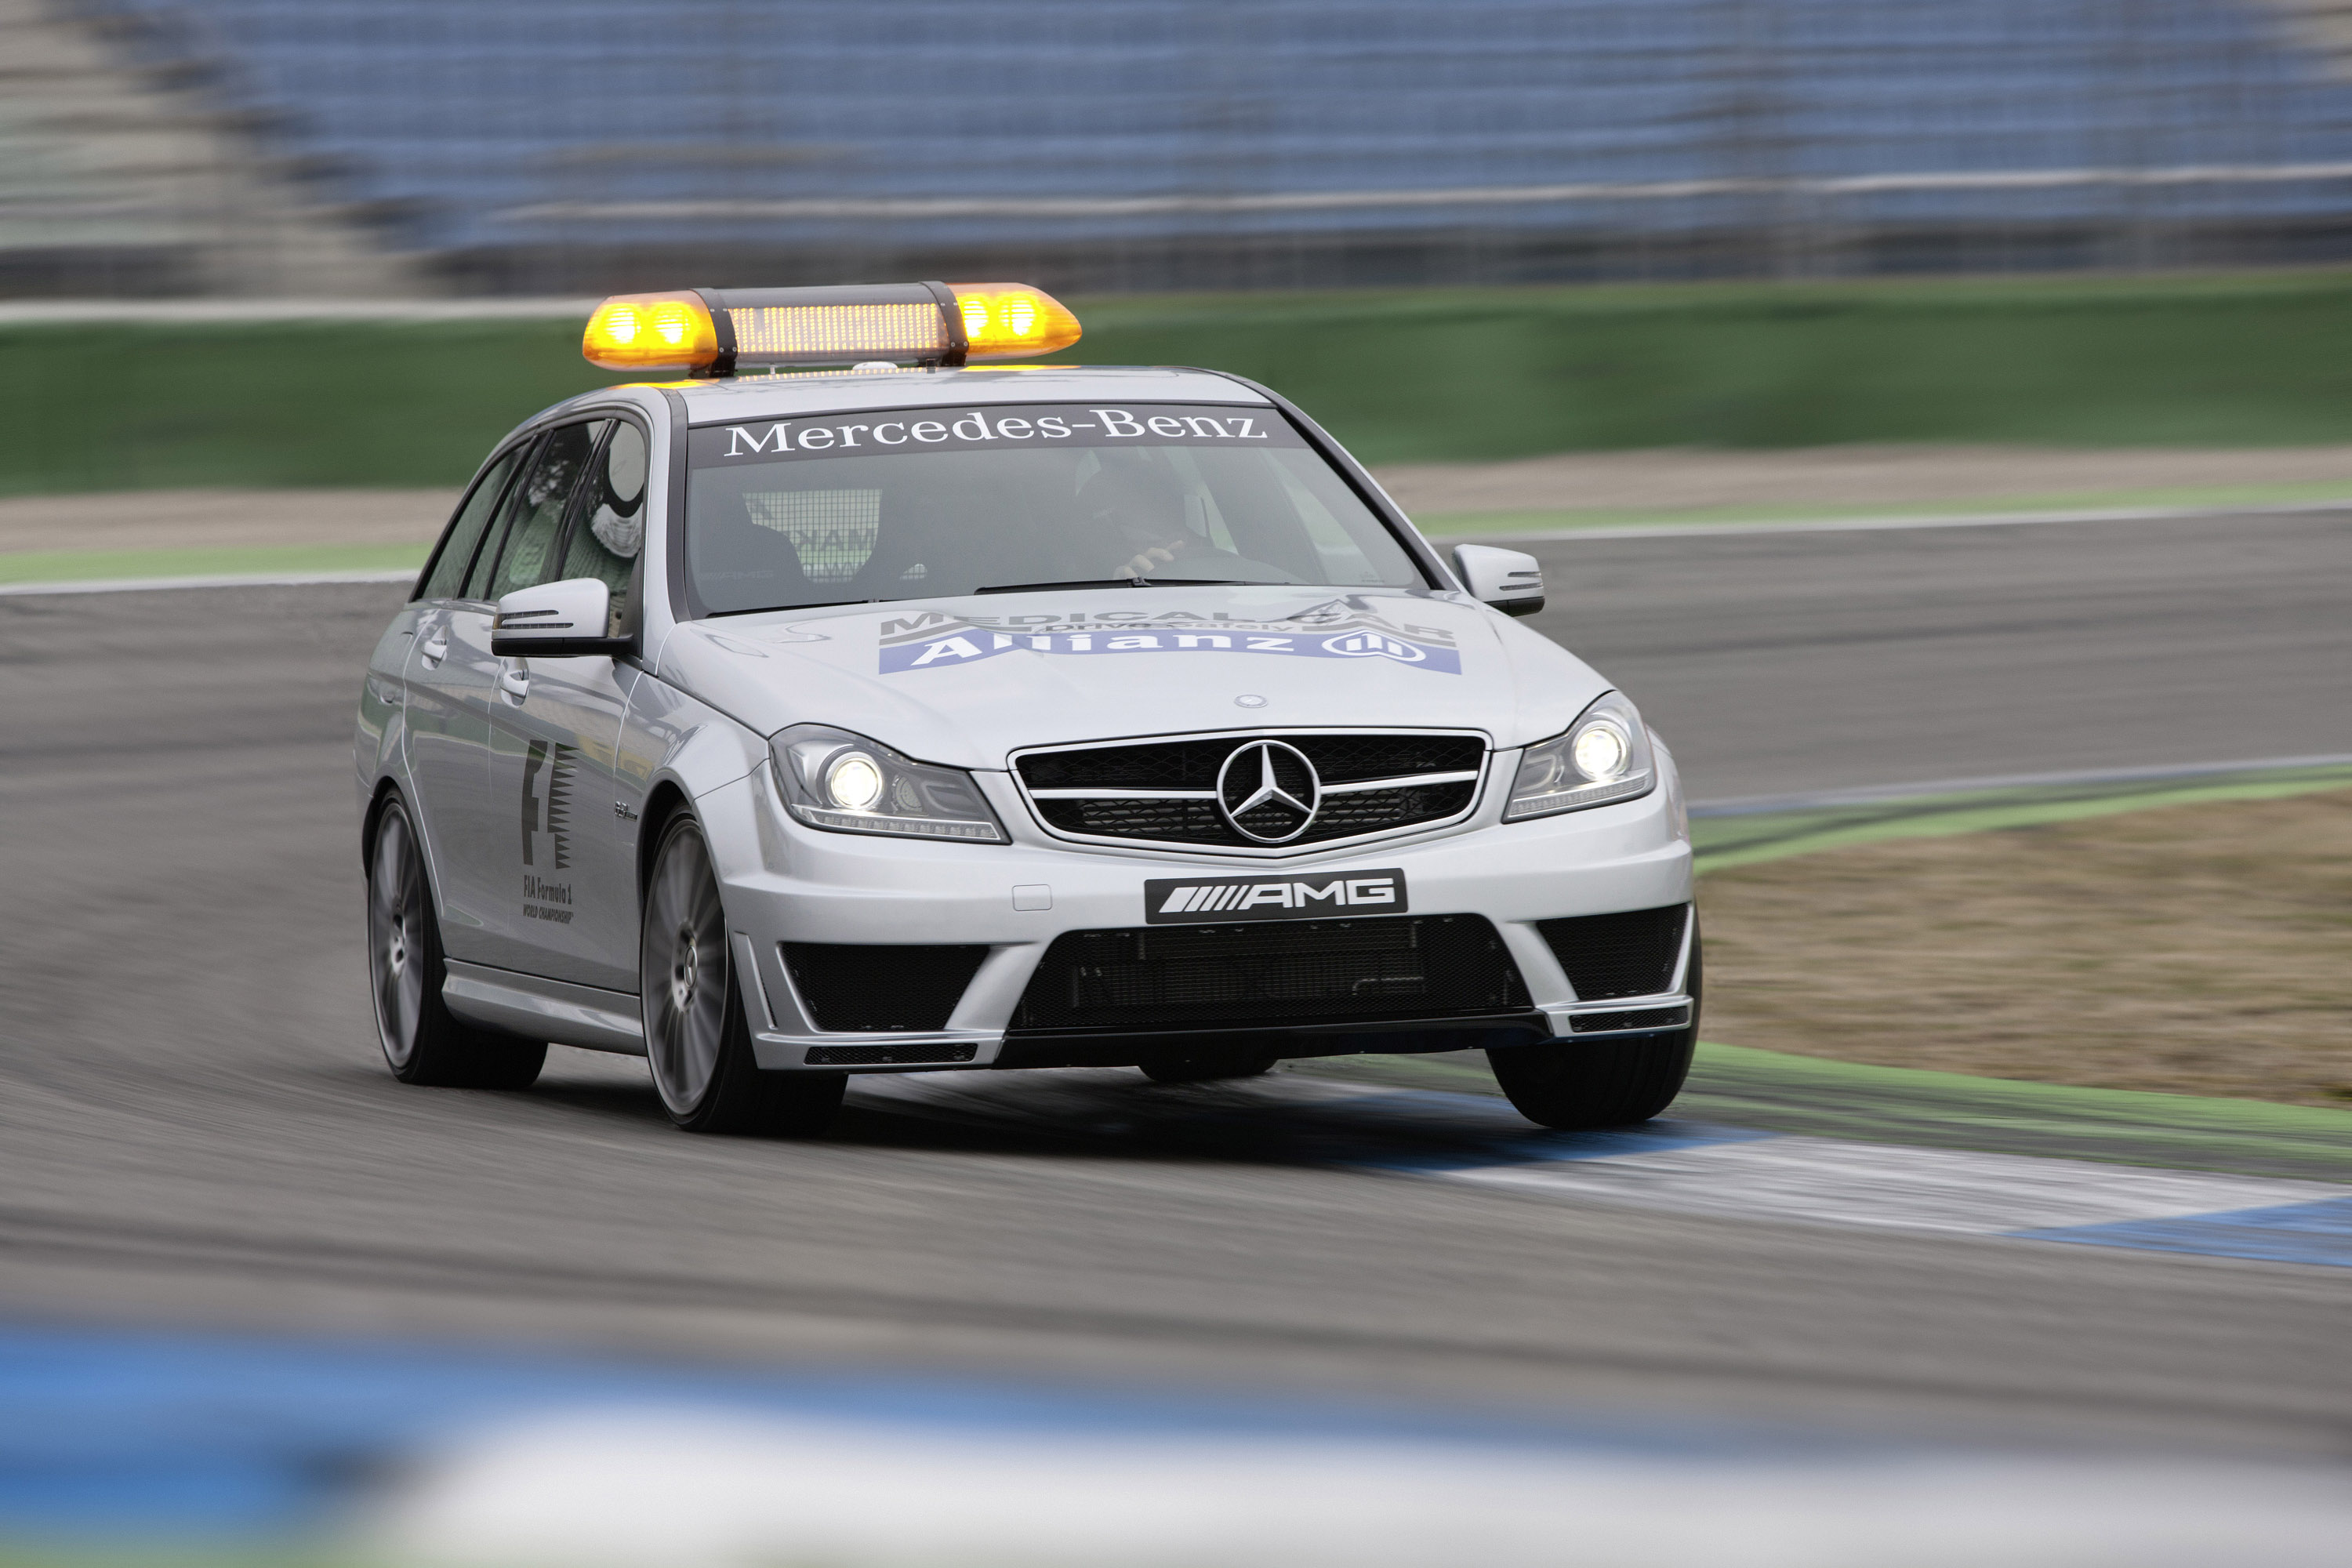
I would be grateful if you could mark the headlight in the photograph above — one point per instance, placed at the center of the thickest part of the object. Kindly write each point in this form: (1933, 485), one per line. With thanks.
(833, 779)
(1604, 756)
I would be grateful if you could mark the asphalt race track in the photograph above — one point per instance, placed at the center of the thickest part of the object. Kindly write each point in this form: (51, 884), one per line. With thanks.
(195, 1128)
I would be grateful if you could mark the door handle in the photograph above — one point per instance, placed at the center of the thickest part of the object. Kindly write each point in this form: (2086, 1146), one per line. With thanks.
(434, 649)
(515, 681)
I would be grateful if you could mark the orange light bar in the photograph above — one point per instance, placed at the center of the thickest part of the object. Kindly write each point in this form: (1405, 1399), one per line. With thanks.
(651, 331)
(1012, 321)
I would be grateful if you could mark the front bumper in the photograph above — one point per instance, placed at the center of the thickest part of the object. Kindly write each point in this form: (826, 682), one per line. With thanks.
(787, 883)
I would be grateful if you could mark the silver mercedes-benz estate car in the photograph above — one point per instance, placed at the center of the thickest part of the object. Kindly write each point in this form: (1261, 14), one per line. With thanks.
(922, 713)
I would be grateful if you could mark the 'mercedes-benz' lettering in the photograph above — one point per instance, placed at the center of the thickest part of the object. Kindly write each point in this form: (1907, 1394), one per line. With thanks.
(1192, 899)
(1012, 426)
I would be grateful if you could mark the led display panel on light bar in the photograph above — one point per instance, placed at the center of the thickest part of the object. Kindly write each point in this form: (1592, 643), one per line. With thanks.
(784, 333)
(712, 332)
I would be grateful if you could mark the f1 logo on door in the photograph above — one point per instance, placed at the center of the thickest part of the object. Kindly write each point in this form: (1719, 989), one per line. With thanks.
(548, 769)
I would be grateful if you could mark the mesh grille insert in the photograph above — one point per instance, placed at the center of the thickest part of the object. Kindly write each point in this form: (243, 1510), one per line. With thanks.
(1272, 974)
(1193, 764)
(1630, 954)
(862, 989)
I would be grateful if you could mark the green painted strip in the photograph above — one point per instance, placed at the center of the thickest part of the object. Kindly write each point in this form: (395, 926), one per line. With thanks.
(225, 561)
(1954, 1111)
(1464, 525)
(1723, 842)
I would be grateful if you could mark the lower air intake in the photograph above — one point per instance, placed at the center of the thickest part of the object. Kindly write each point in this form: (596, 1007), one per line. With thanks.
(1271, 975)
(1631, 954)
(887, 1056)
(866, 990)
(1618, 1023)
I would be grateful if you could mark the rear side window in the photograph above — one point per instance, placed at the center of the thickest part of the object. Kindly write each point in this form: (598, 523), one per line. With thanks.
(534, 514)
(465, 530)
(608, 536)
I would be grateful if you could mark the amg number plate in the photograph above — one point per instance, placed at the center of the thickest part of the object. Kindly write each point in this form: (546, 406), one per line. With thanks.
(1220, 899)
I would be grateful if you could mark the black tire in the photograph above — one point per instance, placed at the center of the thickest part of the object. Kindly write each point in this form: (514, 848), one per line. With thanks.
(1209, 1065)
(1579, 1088)
(698, 1040)
(423, 1042)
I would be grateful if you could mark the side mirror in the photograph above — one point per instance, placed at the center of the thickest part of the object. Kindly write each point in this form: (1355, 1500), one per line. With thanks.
(1510, 581)
(555, 620)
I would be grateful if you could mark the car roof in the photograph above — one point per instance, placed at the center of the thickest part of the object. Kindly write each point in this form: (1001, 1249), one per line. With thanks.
(741, 397)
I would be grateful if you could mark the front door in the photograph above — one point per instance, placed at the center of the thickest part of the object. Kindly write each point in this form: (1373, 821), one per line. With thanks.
(570, 906)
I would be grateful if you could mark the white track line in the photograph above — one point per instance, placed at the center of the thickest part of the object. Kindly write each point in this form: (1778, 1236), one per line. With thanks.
(243, 580)
(1877, 524)
(1827, 1181)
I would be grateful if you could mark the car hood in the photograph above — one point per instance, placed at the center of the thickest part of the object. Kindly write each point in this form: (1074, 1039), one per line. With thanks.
(969, 680)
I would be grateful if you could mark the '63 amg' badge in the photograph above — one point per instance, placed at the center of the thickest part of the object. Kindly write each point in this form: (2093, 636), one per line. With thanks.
(1220, 899)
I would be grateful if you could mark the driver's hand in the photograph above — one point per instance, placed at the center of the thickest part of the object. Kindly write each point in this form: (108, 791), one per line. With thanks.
(1149, 562)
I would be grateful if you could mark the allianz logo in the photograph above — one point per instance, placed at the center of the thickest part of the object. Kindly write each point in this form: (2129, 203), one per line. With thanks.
(1373, 645)
(1222, 898)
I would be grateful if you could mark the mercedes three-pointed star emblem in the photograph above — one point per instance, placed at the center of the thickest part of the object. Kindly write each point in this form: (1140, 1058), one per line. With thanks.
(1269, 791)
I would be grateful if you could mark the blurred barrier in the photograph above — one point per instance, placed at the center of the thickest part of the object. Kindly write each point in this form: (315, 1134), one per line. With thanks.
(208, 393)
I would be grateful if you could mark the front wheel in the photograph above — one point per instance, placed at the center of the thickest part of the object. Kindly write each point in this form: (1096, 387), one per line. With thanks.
(423, 1043)
(1579, 1087)
(698, 1041)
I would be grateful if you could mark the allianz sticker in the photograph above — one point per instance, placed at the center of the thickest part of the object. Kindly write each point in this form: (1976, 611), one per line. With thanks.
(1341, 628)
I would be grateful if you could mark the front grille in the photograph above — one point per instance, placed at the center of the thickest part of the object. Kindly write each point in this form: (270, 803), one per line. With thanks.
(1339, 759)
(1271, 975)
(1630, 954)
(857, 989)
(1639, 1018)
(880, 1056)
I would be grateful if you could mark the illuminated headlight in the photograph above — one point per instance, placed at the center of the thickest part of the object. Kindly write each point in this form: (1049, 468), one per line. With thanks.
(1604, 756)
(836, 780)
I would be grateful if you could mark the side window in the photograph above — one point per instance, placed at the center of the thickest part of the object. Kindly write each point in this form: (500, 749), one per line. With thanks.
(610, 534)
(464, 532)
(535, 515)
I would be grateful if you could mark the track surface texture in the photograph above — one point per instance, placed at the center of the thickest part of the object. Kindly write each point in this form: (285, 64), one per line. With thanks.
(194, 1127)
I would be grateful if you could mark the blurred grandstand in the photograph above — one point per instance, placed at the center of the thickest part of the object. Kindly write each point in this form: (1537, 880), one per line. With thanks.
(339, 147)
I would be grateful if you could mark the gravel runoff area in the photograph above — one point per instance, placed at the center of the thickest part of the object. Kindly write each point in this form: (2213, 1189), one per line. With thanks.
(2192, 949)
(1675, 479)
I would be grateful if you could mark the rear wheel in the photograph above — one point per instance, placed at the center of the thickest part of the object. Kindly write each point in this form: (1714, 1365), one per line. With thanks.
(421, 1042)
(1603, 1083)
(1210, 1065)
(698, 1040)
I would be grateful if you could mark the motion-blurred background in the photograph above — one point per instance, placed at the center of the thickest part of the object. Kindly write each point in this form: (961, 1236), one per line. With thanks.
(1716, 305)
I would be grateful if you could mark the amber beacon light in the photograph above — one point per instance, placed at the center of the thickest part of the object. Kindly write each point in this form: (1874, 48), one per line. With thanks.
(714, 332)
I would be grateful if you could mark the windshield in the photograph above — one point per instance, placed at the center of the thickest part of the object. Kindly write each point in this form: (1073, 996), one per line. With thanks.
(927, 502)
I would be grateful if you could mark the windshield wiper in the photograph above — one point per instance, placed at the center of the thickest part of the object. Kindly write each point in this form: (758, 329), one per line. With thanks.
(1123, 583)
(777, 609)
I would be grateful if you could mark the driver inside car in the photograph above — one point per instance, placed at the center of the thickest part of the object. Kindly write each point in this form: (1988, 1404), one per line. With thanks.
(1138, 509)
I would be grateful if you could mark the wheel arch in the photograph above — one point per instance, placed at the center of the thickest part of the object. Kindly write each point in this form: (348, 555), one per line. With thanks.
(664, 802)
